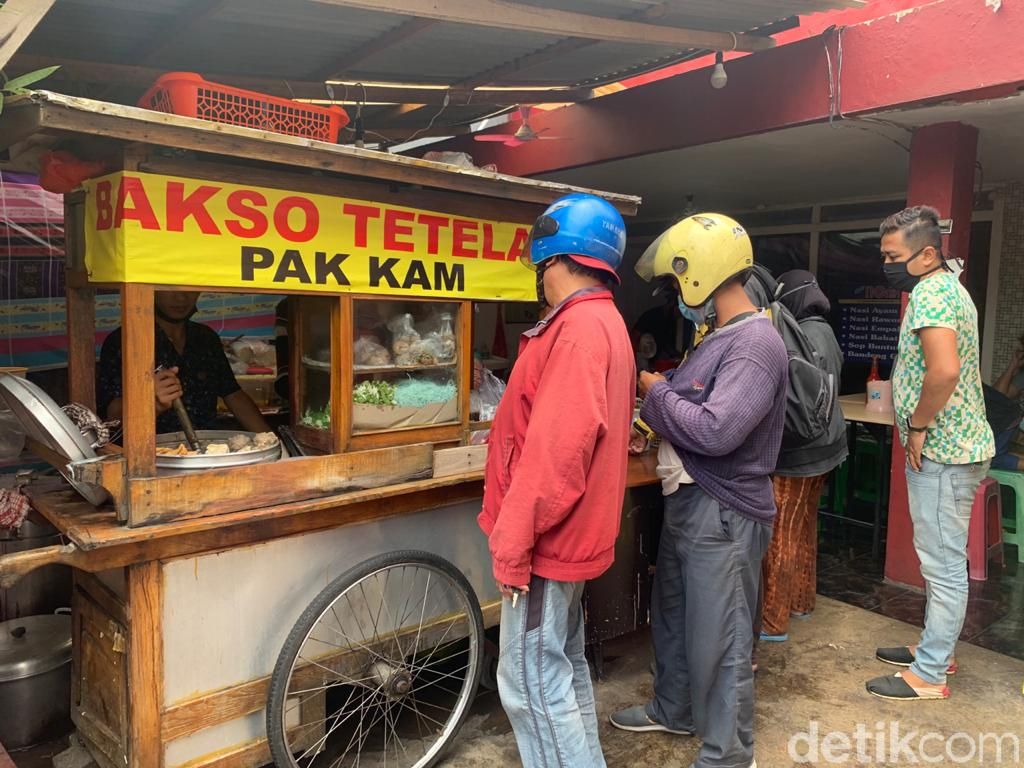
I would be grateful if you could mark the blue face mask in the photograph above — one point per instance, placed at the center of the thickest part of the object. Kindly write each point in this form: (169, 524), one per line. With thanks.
(695, 316)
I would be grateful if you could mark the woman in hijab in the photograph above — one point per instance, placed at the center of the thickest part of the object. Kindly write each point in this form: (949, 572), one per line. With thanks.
(790, 565)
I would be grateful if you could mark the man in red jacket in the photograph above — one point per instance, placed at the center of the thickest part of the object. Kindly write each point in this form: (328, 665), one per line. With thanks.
(555, 479)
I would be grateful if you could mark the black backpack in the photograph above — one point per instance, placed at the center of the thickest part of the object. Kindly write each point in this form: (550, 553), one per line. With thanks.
(809, 391)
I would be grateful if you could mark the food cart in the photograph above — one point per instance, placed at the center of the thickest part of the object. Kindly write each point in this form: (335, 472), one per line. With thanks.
(315, 598)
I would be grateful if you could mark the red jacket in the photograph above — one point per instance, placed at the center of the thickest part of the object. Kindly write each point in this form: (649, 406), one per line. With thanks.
(556, 466)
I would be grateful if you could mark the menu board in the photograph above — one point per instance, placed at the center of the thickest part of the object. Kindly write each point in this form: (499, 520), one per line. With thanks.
(865, 311)
(868, 329)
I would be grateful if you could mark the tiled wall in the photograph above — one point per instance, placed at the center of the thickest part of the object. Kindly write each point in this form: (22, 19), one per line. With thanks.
(1010, 313)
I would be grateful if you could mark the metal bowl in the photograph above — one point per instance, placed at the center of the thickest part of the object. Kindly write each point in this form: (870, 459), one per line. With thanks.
(216, 461)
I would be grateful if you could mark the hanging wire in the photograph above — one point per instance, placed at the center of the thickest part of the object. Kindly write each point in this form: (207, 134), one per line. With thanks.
(444, 106)
(835, 96)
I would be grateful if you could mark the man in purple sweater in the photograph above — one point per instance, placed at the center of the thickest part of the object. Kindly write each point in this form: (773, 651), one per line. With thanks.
(720, 417)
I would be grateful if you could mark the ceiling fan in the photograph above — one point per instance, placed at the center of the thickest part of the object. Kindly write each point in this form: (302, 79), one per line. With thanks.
(523, 134)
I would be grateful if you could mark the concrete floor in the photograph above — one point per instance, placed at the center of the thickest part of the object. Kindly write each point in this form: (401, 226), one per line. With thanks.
(817, 676)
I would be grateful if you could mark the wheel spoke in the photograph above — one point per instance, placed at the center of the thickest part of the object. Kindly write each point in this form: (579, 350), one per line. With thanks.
(440, 642)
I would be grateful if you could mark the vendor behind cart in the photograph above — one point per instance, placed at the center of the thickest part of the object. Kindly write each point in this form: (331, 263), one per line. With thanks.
(191, 364)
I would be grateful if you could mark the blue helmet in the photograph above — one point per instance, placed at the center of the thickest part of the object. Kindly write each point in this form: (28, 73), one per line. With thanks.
(584, 227)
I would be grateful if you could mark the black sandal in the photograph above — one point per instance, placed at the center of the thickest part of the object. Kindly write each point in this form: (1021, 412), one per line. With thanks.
(895, 688)
(903, 657)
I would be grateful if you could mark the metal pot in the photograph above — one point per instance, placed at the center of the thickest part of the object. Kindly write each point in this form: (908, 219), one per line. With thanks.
(45, 589)
(35, 680)
(215, 461)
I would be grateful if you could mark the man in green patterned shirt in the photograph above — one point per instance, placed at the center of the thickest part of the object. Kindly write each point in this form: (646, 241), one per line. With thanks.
(940, 414)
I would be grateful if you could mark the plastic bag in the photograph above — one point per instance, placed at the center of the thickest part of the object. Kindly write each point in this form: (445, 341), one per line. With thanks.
(368, 352)
(458, 159)
(403, 336)
(12, 437)
(485, 399)
(254, 352)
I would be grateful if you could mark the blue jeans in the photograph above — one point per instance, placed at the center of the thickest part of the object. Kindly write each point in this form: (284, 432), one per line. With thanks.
(940, 499)
(544, 680)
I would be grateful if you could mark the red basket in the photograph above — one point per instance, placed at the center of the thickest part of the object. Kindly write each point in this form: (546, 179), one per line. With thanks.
(189, 95)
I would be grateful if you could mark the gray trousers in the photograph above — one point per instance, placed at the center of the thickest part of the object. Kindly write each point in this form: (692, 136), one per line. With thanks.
(704, 599)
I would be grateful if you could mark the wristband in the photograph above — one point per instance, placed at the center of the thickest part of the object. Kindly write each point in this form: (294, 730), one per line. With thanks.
(912, 428)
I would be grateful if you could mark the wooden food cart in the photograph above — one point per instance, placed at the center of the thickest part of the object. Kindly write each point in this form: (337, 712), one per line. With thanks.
(190, 586)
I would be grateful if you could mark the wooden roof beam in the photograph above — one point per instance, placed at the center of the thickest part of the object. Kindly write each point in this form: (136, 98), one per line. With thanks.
(392, 37)
(502, 14)
(51, 112)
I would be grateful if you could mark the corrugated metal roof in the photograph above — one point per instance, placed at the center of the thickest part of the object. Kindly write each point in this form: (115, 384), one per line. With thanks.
(300, 39)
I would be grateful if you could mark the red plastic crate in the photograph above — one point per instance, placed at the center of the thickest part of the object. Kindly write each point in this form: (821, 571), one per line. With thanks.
(189, 95)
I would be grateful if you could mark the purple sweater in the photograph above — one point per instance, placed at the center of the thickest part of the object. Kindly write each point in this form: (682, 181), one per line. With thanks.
(723, 410)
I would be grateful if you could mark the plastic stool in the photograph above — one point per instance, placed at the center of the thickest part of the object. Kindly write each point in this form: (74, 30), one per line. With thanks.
(1014, 481)
(985, 533)
(864, 474)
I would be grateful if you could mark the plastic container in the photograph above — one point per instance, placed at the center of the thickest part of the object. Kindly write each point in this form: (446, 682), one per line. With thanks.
(879, 397)
(189, 95)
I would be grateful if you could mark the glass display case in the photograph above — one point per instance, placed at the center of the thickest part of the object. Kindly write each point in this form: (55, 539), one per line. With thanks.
(379, 371)
(405, 358)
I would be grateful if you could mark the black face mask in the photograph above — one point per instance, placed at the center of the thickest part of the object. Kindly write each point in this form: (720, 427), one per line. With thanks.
(900, 278)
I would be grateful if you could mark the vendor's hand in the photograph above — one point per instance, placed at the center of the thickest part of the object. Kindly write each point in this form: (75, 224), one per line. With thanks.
(648, 380)
(507, 589)
(478, 373)
(167, 387)
(637, 443)
(915, 444)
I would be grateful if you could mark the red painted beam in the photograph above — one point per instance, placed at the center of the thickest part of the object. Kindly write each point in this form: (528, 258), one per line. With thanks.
(810, 26)
(945, 50)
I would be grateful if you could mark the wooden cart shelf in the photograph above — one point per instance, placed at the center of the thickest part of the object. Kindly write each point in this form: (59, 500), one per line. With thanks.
(360, 370)
(101, 542)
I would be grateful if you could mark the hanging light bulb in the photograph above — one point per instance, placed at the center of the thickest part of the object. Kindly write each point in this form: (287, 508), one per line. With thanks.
(719, 77)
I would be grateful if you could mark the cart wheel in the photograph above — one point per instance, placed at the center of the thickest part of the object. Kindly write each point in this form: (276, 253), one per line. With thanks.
(380, 669)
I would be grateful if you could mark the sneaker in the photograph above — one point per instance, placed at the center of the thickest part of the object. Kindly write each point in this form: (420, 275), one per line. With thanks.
(636, 719)
(902, 657)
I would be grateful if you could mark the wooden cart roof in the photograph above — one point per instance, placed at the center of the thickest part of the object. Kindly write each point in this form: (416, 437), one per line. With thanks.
(44, 114)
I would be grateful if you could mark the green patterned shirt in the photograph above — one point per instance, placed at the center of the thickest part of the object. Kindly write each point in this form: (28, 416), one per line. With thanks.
(960, 433)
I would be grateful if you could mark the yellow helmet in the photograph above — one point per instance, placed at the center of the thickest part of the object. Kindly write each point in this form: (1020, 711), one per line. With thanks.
(701, 252)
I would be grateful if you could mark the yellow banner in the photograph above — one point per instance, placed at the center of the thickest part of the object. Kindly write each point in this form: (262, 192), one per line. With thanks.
(167, 230)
